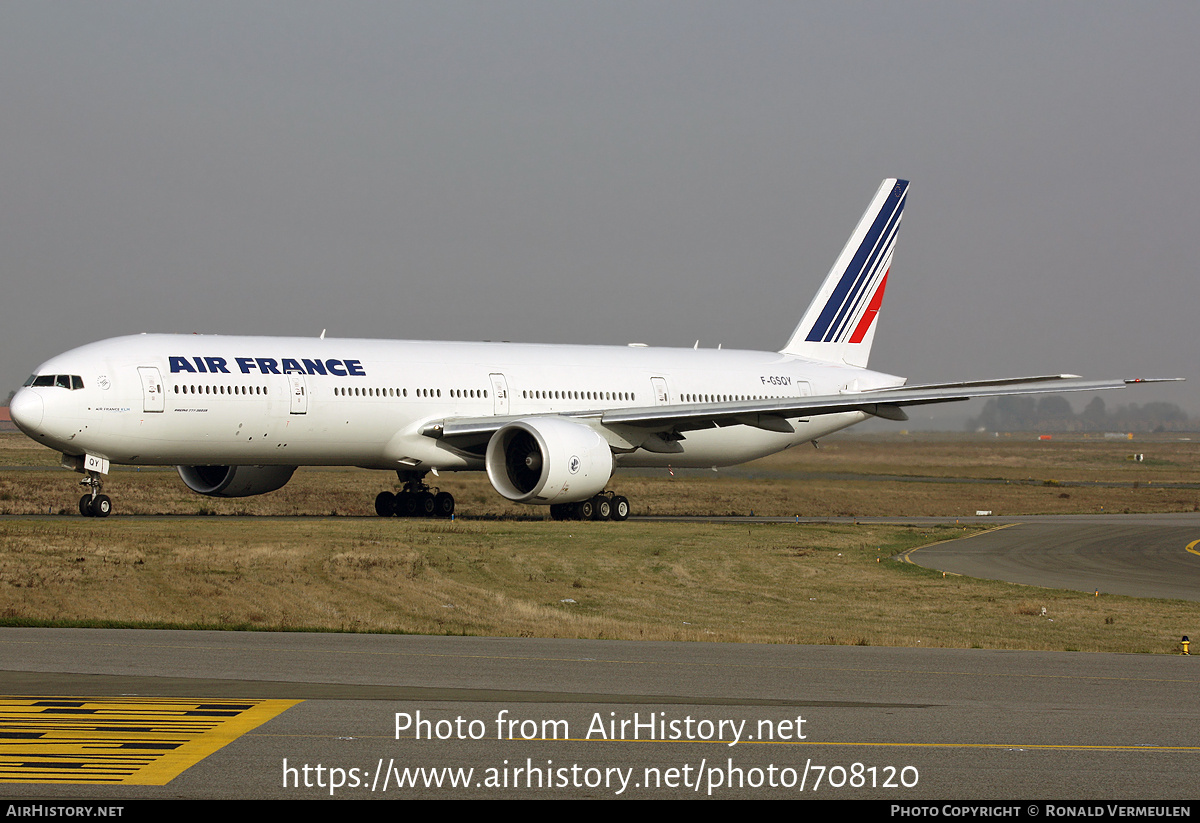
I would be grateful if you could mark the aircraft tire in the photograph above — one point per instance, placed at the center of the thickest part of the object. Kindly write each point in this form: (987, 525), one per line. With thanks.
(385, 504)
(443, 504)
(101, 506)
(85, 505)
(603, 508)
(620, 508)
(406, 504)
(426, 505)
(585, 509)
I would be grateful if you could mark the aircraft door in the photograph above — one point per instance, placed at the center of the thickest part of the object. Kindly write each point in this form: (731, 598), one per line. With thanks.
(153, 399)
(661, 396)
(298, 389)
(500, 394)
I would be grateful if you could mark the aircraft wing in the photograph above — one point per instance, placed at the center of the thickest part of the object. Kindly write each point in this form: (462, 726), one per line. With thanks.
(772, 414)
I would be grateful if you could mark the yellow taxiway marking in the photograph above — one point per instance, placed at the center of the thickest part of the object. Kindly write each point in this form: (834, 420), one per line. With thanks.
(904, 555)
(144, 741)
(1192, 547)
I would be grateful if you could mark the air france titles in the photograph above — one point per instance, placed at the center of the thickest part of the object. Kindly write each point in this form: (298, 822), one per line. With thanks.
(267, 365)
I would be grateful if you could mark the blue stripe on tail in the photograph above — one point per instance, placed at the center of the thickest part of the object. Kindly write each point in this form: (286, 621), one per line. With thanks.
(855, 283)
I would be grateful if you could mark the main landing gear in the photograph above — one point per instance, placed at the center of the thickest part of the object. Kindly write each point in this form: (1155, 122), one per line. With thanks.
(604, 506)
(94, 504)
(415, 500)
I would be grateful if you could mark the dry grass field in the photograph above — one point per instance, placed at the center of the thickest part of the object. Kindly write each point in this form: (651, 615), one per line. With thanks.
(892, 475)
(501, 570)
(777, 583)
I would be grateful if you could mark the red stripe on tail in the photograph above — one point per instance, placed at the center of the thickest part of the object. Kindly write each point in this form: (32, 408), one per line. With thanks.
(868, 317)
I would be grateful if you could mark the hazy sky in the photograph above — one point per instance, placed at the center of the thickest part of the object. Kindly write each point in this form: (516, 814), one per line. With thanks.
(606, 173)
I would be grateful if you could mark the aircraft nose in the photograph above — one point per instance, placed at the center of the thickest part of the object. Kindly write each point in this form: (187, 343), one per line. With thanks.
(26, 410)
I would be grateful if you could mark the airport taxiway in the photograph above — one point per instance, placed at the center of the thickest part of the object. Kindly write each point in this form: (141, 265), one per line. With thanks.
(1139, 555)
(949, 723)
(880, 723)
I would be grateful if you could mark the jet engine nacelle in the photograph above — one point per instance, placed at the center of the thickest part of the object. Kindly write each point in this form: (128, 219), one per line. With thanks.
(235, 481)
(545, 460)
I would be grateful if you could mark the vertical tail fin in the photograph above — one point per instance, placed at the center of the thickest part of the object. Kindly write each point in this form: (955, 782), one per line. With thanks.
(839, 325)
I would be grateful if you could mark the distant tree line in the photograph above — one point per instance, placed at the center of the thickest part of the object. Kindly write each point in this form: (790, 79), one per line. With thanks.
(1053, 413)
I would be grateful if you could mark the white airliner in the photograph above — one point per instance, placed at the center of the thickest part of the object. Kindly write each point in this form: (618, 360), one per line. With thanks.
(549, 423)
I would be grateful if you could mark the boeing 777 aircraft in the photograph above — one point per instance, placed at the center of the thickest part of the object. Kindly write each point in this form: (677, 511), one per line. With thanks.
(549, 423)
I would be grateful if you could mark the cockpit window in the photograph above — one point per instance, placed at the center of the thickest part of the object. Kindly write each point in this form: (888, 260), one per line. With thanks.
(62, 381)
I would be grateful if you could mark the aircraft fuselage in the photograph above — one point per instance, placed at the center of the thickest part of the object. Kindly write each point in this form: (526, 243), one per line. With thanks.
(158, 399)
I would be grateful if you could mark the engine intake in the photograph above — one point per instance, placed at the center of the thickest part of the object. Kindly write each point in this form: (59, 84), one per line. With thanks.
(545, 460)
(235, 481)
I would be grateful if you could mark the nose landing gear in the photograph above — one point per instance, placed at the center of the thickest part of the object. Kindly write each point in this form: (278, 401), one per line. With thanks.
(94, 504)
